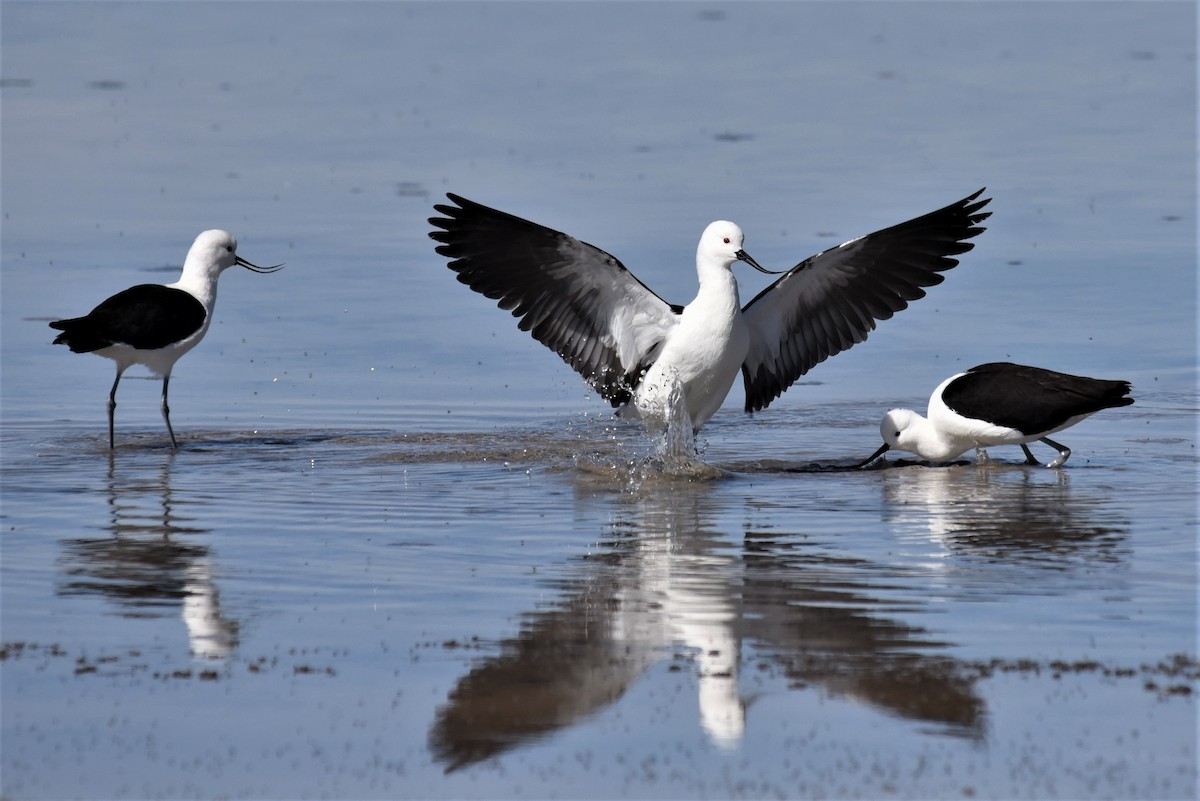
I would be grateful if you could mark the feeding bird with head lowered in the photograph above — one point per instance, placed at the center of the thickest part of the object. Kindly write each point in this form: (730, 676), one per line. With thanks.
(634, 348)
(999, 403)
(154, 325)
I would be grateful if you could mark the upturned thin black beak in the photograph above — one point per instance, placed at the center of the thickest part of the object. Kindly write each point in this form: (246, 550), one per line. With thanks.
(882, 450)
(744, 256)
(255, 268)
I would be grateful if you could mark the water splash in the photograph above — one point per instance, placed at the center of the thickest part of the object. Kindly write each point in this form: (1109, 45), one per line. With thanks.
(674, 454)
(677, 439)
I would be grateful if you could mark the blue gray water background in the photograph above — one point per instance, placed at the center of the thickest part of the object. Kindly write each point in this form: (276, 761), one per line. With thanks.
(404, 552)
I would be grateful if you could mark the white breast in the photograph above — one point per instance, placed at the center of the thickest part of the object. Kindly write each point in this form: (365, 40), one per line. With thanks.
(702, 355)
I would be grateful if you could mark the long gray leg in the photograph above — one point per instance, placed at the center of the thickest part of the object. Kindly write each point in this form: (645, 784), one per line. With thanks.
(166, 410)
(1064, 452)
(1029, 457)
(112, 406)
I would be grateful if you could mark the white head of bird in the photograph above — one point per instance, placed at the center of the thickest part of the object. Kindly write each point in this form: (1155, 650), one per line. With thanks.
(213, 252)
(720, 246)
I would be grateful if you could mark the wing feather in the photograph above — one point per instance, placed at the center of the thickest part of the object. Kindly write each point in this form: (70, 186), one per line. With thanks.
(574, 298)
(831, 301)
(146, 316)
(1030, 399)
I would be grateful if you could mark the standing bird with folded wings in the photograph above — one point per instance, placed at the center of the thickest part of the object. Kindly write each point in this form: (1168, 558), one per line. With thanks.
(635, 349)
(154, 325)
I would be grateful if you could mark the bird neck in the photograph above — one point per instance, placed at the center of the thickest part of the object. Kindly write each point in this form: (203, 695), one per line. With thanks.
(717, 284)
(200, 281)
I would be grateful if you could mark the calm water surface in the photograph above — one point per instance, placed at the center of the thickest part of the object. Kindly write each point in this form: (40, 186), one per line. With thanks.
(402, 552)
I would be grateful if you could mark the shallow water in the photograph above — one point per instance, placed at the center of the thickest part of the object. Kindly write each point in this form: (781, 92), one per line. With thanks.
(533, 611)
(400, 555)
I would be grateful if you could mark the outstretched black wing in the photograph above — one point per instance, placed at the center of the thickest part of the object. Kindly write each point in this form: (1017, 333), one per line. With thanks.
(831, 301)
(574, 298)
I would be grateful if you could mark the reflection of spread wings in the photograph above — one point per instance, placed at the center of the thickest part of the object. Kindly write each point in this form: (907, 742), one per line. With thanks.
(830, 302)
(823, 627)
(669, 582)
(572, 297)
(564, 665)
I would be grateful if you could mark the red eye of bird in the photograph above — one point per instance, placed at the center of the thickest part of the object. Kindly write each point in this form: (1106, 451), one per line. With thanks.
(726, 240)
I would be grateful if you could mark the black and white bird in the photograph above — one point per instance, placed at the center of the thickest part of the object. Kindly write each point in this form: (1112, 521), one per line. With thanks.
(999, 403)
(154, 325)
(634, 348)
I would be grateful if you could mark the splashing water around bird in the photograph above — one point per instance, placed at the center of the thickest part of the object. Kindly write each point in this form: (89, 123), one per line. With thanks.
(675, 443)
(677, 439)
(674, 455)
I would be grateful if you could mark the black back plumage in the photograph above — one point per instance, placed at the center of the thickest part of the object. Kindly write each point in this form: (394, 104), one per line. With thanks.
(1031, 400)
(146, 317)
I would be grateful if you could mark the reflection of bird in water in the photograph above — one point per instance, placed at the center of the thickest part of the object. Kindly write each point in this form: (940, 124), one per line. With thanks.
(685, 595)
(662, 584)
(145, 566)
(211, 635)
(667, 580)
(1005, 513)
(819, 620)
(560, 668)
